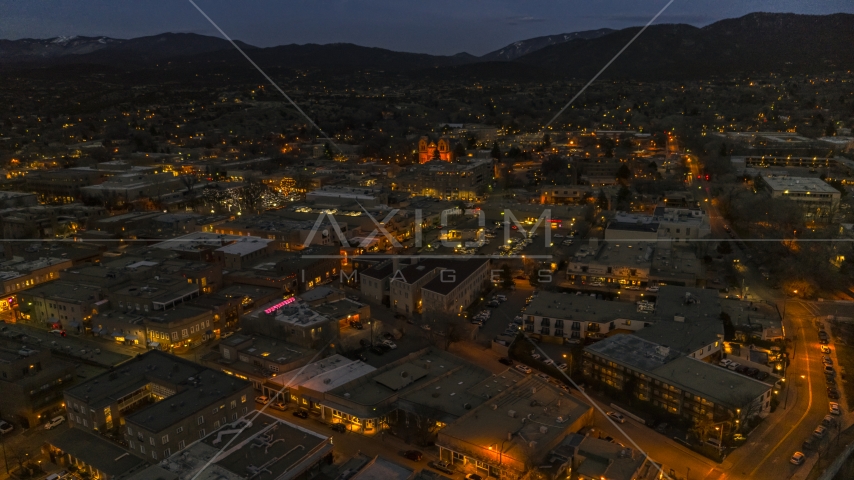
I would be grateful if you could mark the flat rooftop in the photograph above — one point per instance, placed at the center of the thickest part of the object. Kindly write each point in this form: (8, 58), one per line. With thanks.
(715, 383)
(524, 409)
(799, 185)
(382, 469)
(633, 351)
(260, 446)
(583, 308)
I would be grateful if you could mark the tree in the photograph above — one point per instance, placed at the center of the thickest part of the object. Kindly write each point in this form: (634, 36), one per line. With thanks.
(602, 200)
(547, 140)
(703, 427)
(624, 172)
(496, 152)
(188, 181)
(459, 151)
(506, 276)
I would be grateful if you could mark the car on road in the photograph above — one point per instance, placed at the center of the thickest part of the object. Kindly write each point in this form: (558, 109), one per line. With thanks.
(280, 406)
(819, 432)
(300, 413)
(506, 361)
(413, 455)
(618, 417)
(523, 368)
(262, 400)
(5, 427)
(797, 458)
(54, 422)
(834, 409)
(339, 427)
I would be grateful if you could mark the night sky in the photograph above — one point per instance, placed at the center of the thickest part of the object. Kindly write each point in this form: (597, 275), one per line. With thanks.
(429, 26)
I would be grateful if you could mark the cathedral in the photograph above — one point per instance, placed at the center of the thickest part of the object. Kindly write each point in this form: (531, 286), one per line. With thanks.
(441, 149)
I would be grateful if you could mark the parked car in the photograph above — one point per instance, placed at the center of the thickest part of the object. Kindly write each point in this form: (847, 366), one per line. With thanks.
(413, 455)
(809, 444)
(618, 417)
(797, 458)
(830, 380)
(562, 366)
(54, 422)
(523, 368)
(652, 288)
(389, 344)
(426, 327)
(506, 361)
(377, 350)
(262, 400)
(828, 421)
(280, 406)
(834, 409)
(742, 369)
(819, 432)
(762, 375)
(300, 413)
(833, 394)
(752, 372)
(825, 349)
(356, 324)
(226, 335)
(733, 366)
(725, 362)
(662, 427)
(443, 466)
(5, 427)
(828, 370)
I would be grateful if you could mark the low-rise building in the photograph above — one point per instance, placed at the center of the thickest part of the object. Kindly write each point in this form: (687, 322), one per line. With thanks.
(259, 445)
(445, 180)
(32, 383)
(157, 404)
(514, 429)
(294, 321)
(814, 195)
(68, 304)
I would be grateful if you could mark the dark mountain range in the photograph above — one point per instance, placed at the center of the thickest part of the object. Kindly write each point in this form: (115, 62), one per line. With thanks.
(109, 50)
(758, 42)
(524, 47)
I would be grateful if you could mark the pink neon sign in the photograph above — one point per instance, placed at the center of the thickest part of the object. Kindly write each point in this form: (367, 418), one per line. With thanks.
(280, 305)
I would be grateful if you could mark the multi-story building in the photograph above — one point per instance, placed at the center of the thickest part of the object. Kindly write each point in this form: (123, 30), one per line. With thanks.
(612, 264)
(456, 287)
(32, 383)
(70, 305)
(815, 196)
(294, 321)
(565, 194)
(18, 274)
(290, 272)
(677, 385)
(258, 359)
(242, 252)
(445, 180)
(555, 317)
(157, 404)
